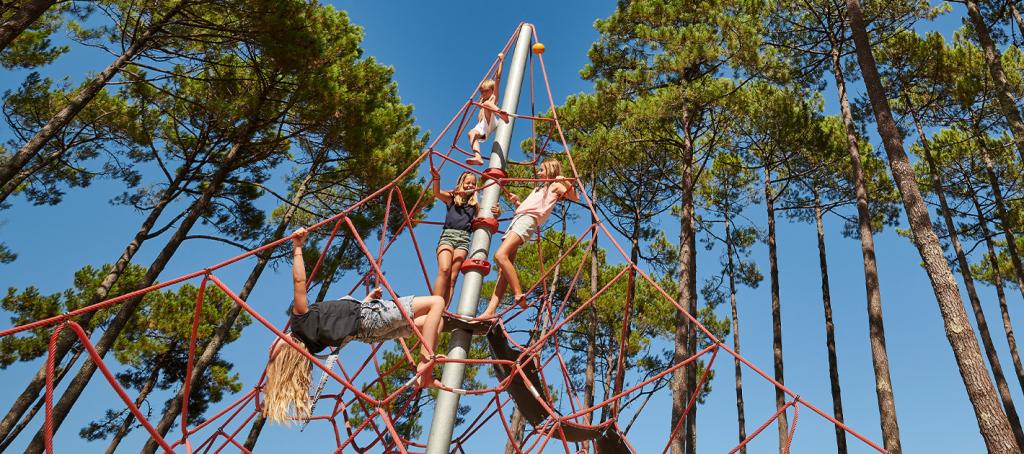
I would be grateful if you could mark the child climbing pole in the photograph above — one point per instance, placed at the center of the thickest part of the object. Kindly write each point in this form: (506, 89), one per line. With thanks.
(452, 247)
(487, 117)
(529, 217)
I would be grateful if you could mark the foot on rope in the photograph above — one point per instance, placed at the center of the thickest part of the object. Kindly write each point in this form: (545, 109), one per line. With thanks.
(425, 379)
(521, 300)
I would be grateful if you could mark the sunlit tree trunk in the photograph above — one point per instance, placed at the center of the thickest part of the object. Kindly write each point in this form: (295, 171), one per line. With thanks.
(992, 422)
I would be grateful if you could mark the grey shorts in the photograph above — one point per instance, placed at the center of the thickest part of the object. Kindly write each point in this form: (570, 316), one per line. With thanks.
(457, 239)
(523, 225)
(381, 320)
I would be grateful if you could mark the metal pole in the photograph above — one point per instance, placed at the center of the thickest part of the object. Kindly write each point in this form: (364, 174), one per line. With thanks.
(443, 425)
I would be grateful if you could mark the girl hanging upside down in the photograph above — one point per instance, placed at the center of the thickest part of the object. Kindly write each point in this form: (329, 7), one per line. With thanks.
(333, 324)
(453, 246)
(530, 215)
(487, 122)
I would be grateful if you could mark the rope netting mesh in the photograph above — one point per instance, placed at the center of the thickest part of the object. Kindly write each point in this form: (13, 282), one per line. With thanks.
(377, 430)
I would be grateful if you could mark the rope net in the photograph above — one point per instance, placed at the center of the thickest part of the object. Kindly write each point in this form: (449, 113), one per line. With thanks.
(561, 400)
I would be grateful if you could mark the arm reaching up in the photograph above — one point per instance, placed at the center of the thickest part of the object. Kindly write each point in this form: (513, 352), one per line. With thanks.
(443, 196)
(497, 77)
(301, 304)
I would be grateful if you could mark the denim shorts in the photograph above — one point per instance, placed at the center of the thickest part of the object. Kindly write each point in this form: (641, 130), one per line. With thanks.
(457, 239)
(381, 320)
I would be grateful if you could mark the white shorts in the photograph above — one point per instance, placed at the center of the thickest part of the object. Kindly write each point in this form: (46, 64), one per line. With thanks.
(484, 129)
(523, 225)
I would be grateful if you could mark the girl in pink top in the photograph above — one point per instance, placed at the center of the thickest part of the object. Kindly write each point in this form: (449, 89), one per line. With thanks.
(529, 216)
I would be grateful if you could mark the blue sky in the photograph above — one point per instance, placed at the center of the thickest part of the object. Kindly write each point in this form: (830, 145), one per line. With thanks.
(439, 51)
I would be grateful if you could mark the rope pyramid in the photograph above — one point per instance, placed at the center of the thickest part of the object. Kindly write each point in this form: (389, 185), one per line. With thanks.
(377, 431)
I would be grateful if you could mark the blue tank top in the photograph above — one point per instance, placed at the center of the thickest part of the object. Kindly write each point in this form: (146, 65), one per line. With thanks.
(459, 217)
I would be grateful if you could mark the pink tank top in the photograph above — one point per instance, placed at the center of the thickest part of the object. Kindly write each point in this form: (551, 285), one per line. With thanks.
(539, 204)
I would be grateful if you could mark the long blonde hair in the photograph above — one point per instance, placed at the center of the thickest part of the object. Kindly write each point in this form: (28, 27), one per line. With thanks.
(287, 387)
(457, 196)
(489, 84)
(552, 169)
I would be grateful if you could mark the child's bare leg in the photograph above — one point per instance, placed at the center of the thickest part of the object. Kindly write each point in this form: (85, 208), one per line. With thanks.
(444, 271)
(421, 321)
(499, 293)
(430, 307)
(474, 143)
(505, 257)
(457, 259)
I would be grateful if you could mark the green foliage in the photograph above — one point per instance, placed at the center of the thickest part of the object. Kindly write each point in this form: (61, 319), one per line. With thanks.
(29, 107)
(29, 304)
(154, 348)
(6, 255)
(651, 44)
(34, 46)
(726, 190)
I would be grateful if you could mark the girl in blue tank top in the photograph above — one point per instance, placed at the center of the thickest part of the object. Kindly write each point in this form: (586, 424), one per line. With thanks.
(453, 246)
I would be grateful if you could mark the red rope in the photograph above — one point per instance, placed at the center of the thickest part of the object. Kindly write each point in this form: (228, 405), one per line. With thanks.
(374, 409)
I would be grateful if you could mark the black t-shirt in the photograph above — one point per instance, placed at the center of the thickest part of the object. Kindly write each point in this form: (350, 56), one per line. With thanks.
(327, 323)
(459, 217)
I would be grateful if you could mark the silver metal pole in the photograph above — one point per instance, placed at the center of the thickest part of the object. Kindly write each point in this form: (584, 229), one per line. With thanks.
(441, 428)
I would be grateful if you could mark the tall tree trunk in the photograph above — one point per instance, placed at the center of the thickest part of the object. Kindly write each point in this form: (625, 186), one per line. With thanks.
(215, 343)
(22, 19)
(39, 403)
(620, 369)
(67, 339)
(589, 375)
(127, 310)
(773, 261)
(27, 171)
(997, 278)
(691, 343)
(10, 168)
(1005, 222)
(1007, 105)
(518, 428)
(994, 426)
(876, 325)
(741, 420)
(325, 285)
(1016, 16)
(609, 359)
(830, 332)
(129, 419)
(972, 293)
(680, 390)
(254, 433)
